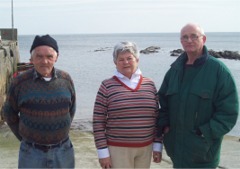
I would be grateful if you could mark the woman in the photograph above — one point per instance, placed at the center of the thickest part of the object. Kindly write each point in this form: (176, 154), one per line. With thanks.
(125, 114)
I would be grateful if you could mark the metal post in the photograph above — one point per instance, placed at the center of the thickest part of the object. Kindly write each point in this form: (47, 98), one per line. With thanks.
(12, 22)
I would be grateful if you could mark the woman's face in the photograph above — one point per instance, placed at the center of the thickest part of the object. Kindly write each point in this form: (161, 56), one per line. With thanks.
(126, 64)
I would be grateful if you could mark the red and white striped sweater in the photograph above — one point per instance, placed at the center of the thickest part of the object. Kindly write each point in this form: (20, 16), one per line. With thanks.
(125, 117)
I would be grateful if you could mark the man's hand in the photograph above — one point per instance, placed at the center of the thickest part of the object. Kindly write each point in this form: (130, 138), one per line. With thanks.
(166, 129)
(105, 163)
(157, 157)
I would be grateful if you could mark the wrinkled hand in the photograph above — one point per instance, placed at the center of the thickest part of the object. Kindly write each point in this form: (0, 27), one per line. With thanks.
(105, 163)
(157, 157)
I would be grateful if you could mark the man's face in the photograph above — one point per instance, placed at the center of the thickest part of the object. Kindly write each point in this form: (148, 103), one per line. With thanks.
(43, 59)
(192, 40)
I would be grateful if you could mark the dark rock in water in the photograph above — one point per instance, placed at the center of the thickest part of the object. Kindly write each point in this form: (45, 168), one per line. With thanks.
(225, 54)
(214, 53)
(151, 49)
(221, 54)
(176, 52)
(102, 49)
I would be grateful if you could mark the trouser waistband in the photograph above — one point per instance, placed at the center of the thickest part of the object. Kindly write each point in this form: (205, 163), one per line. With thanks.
(46, 147)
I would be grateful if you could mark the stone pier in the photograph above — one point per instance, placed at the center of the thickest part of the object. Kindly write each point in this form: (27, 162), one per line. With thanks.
(9, 57)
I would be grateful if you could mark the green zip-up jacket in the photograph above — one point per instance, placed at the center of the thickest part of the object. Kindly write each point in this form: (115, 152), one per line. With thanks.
(200, 105)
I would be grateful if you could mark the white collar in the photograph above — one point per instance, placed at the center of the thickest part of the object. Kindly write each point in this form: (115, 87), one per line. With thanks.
(136, 74)
(47, 78)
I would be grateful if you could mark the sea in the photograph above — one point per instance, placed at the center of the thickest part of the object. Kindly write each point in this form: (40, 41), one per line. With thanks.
(88, 59)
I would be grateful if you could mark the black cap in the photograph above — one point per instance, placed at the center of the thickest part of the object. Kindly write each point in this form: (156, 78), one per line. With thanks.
(44, 40)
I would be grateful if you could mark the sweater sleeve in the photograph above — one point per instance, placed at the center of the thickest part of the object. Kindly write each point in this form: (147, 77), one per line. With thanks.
(11, 112)
(73, 100)
(100, 117)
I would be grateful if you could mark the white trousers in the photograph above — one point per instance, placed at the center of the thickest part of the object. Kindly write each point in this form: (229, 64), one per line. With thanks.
(131, 157)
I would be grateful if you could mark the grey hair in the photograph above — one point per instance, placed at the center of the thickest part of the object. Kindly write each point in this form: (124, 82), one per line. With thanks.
(123, 47)
(33, 51)
(196, 26)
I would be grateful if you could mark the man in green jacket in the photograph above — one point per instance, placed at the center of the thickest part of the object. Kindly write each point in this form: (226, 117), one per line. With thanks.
(199, 104)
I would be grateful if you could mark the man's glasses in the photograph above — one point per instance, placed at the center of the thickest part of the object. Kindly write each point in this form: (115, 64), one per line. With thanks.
(193, 37)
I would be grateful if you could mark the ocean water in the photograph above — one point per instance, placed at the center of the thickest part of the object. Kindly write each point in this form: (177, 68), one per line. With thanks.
(89, 67)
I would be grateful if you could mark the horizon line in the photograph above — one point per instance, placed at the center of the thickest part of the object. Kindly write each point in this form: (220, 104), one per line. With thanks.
(118, 33)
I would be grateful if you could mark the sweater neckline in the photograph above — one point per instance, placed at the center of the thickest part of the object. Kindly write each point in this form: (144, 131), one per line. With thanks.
(133, 90)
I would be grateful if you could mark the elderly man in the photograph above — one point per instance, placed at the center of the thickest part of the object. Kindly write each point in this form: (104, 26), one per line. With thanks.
(39, 109)
(199, 104)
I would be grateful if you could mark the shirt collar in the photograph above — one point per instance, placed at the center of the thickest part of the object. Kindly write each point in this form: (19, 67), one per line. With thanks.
(37, 75)
(137, 73)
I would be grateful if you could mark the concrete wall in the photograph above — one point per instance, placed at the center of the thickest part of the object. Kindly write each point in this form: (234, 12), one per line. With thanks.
(9, 57)
(8, 34)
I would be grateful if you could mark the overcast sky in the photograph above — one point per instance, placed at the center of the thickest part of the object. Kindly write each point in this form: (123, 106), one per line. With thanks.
(119, 16)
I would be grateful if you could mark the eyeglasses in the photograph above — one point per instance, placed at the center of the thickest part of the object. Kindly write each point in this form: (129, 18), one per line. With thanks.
(193, 37)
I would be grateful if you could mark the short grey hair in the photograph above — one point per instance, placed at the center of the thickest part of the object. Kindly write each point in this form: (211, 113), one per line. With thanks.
(197, 26)
(123, 47)
(33, 52)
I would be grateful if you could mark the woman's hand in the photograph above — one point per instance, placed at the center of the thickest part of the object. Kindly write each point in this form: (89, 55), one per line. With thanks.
(105, 163)
(157, 157)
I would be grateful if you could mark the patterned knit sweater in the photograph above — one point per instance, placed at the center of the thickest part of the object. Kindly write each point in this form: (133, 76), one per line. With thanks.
(125, 117)
(40, 111)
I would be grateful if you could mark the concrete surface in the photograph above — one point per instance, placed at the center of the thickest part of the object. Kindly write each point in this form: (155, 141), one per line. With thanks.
(85, 152)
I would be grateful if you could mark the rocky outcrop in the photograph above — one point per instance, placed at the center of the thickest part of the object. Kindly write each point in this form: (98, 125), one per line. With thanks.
(151, 49)
(176, 52)
(148, 50)
(102, 49)
(221, 54)
(225, 54)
